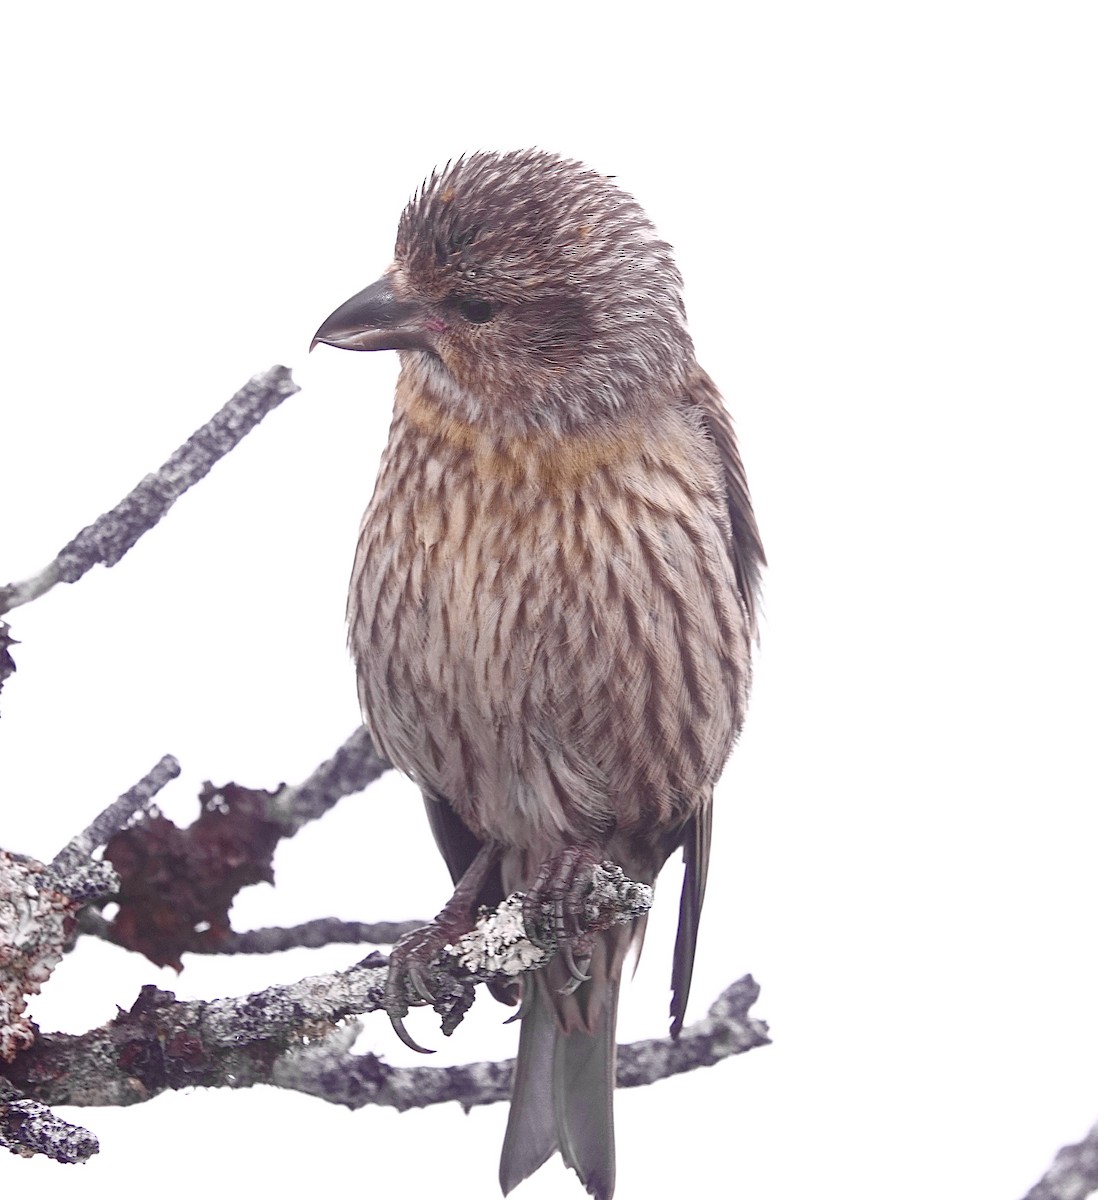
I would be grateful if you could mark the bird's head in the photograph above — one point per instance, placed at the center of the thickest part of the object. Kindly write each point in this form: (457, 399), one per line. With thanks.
(526, 286)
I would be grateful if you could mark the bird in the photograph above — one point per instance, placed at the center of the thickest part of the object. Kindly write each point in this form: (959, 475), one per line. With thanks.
(555, 592)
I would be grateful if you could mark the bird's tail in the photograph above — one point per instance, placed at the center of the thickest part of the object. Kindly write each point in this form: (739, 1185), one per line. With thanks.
(563, 1093)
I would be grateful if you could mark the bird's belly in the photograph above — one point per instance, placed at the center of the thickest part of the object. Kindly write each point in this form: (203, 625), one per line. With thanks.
(553, 670)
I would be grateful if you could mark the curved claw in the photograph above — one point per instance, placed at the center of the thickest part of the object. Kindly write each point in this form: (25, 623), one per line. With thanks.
(418, 980)
(406, 1037)
(524, 1004)
(578, 974)
(568, 988)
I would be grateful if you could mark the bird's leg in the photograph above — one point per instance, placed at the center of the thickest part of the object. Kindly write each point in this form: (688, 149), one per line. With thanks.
(554, 905)
(411, 957)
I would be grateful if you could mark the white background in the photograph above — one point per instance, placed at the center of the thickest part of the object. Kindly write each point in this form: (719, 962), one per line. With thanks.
(886, 216)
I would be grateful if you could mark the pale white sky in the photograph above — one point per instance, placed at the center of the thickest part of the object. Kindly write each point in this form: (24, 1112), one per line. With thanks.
(885, 217)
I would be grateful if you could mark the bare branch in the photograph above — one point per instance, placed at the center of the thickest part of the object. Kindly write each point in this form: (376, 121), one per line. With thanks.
(324, 931)
(1073, 1174)
(111, 820)
(108, 538)
(353, 766)
(7, 663)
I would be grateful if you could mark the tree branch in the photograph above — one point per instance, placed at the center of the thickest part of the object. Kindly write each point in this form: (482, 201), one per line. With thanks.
(71, 864)
(28, 1128)
(39, 905)
(354, 766)
(1073, 1174)
(329, 1071)
(176, 886)
(109, 537)
(7, 663)
(163, 1044)
(311, 935)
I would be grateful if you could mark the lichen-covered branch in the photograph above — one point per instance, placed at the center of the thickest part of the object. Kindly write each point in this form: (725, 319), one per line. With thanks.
(330, 1071)
(1073, 1174)
(34, 920)
(39, 906)
(163, 1044)
(517, 936)
(28, 1127)
(109, 537)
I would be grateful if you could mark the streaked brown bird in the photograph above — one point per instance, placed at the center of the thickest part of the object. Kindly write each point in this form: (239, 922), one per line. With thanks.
(555, 588)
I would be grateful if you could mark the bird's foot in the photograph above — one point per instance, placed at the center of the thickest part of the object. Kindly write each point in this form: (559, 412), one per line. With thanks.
(414, 964)
(414, 977)
(554, 906)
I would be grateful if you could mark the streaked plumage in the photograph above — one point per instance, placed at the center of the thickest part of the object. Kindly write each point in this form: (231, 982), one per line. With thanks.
(554, 593)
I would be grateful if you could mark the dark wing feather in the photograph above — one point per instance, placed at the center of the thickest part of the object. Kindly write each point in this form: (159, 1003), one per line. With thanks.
(695, 853)
(748, 559)
(456, 841)
(746, 545)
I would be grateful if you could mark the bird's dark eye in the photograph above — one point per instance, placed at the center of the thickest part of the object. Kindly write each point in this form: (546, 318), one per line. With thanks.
(476, 312)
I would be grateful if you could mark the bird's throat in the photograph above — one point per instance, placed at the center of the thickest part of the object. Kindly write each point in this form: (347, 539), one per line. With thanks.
(557, 462)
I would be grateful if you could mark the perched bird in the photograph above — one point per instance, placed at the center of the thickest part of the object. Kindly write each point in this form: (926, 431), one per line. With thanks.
(554, 594)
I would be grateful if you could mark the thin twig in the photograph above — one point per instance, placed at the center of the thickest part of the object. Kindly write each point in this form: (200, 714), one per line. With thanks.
(7, 663)
(311, 935)
(112, 819)
(109, 537)
(1073, 1174)
(353, 766)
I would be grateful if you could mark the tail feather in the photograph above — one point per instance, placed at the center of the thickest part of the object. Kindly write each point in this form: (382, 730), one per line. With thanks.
(563, 1095)
(584, 1070)
(531, 1127)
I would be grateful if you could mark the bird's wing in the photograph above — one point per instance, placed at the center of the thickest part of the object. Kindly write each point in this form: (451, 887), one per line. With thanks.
(695, 852)
(459, 846)
(456, 841)
(748, 559)
(746, 548)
